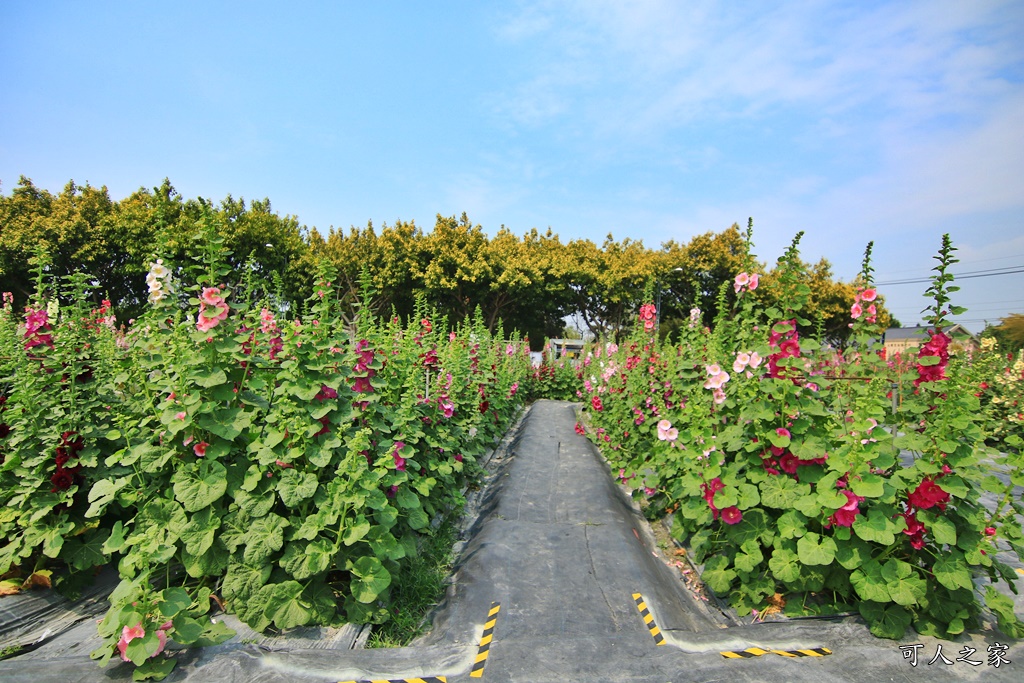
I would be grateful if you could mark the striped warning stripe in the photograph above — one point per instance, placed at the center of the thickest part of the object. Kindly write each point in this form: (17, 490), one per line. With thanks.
(810, 652)
(428, 679)
(485, 641)
(745, 654)
(757, 652)
(659, 639)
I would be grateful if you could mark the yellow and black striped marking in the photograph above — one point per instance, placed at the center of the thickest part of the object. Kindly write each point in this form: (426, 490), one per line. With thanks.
(809, 652)
(428, 679)
(757, 652)
(485, 641)
(659, 639)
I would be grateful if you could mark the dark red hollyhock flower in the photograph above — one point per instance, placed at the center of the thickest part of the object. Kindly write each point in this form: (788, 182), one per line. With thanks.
(4, 430)
(484, 405)
(62, 479)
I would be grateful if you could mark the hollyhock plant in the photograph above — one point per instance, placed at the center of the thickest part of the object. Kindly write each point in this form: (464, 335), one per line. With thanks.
(824, 469)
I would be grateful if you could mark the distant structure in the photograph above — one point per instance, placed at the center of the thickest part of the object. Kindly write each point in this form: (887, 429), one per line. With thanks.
(563, 348)
(901, 339)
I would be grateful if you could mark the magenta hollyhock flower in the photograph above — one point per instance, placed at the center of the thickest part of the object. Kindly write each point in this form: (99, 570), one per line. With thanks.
(399, 460)
(927, 495)
(789, 463)
(782, 431)
(731, 515)
(595, 402)
(458, 458)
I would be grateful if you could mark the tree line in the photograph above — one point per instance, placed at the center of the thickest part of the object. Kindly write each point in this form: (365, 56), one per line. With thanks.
(531, 283)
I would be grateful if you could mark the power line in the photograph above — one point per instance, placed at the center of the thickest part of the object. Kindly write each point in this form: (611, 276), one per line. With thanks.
(962, 263)
(1010, 270)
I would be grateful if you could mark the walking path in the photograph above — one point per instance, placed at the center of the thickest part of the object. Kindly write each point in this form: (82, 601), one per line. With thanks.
(559, 580)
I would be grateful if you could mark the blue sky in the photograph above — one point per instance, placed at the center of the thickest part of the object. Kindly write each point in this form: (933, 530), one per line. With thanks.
(852, 121)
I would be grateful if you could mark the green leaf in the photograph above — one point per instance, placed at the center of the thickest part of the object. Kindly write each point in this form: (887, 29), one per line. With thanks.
(141, 649)
(156, 669)
(407, 499)
(87, 551)
(875, 526)
(811, 552)
(418, 520)
(785, 565)
(215, 634)
(265, 537)
(853, 553)
(284, 606)
(867, 485)
(885, 621)
(717, 574)
(197, 485)
(199, 533)
(356, 530)
(809, 505)
(792, 524)
(103, 493)
(943, 530)
(303, 560)
(226, 423)
(242, 581)
(370, 579)
(904, 585)
(209, 378)
(186, 629)
(295, 487)
(174, 600)
(115, 541)
(869, 583)
(951, 571)
(780, 492)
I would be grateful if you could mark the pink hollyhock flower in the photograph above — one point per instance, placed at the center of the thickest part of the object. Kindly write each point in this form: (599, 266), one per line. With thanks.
(719, 396)
(732, 515)
(782, 431)
(868, 295)
(741, 280)
(200, 449)
(856, 311)
(211, 296)
(754, 279)
(282, 464)
(128, 634)
(180, 415)
(755, 359)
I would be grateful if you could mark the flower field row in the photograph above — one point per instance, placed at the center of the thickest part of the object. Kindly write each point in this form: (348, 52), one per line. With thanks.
(220, 453)
(836, 481)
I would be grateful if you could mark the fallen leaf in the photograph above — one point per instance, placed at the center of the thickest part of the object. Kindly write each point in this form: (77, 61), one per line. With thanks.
(10, 587)
(39, 579)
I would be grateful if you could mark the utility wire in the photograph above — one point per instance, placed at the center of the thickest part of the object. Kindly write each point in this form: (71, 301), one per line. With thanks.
(961, 276)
